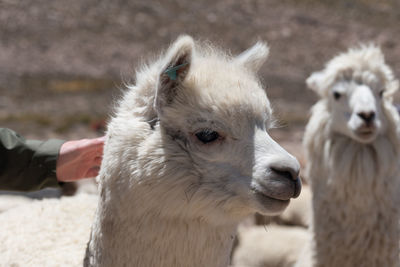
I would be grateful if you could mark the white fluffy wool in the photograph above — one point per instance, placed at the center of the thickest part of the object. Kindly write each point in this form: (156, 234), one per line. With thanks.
(355, 184)
(269, 246)
(51, 232)
(11, 201)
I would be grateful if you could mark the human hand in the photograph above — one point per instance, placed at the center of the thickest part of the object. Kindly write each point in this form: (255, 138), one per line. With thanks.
(79, 159)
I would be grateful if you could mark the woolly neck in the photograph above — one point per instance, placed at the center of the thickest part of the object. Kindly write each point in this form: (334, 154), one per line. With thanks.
(153, 241)
(355, 196)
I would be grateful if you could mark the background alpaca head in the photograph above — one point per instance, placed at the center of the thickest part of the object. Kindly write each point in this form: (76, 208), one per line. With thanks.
(195, 132)
(354, 84)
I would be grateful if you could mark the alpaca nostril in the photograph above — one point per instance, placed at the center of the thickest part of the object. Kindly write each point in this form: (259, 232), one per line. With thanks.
(367, 116)
(292, 175)
(289, 173)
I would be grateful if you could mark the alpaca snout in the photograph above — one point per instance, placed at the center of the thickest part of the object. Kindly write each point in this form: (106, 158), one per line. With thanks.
(291, 174)
(367, 117)
(279, 182)
(365, 126)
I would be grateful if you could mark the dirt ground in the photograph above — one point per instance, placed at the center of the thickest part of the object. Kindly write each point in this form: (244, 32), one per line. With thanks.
(63, 64)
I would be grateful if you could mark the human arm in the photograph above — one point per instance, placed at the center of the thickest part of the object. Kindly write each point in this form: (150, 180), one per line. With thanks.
(29, 165)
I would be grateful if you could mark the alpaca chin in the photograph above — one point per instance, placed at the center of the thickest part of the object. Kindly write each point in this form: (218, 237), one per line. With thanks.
(365, 137)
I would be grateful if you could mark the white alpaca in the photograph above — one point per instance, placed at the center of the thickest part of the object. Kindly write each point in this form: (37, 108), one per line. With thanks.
(352, 149)
(187, 157)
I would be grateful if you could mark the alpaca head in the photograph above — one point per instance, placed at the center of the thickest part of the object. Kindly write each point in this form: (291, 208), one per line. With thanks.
(206, 137)
(355, 84)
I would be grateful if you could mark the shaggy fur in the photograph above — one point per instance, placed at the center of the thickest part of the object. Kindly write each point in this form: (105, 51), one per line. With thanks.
(262, 246)
(12, 201)
(169, 199)
(52, 232)
(354, 173)
(187, 157)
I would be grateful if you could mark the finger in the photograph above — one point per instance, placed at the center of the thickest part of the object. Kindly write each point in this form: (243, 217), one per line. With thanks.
(95, 144)
(92, 152)
(97, 160)
(92, 172)
(97, 148)
(102, 138)
(98, 142)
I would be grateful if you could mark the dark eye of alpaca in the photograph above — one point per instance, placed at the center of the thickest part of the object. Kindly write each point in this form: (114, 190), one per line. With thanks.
(381, 93)
(207, 136)
(336, 95)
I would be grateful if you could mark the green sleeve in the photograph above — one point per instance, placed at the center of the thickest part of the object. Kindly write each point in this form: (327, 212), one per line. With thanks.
(27, 165)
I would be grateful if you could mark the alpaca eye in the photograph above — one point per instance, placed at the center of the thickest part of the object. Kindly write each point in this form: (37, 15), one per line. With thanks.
(381, 93)
(336, 95)
(207, 136)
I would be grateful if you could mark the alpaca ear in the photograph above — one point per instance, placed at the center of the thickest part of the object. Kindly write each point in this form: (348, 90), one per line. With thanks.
(254, 57)
(174, 70)
(315, 81)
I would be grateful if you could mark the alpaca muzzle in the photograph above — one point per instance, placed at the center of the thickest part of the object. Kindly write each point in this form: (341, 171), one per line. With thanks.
(292, 176)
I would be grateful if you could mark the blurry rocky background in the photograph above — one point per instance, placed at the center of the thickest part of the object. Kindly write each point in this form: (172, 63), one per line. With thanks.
(63, 64)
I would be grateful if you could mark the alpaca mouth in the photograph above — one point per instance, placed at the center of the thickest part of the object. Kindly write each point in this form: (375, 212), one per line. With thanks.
(270, 205)
(278, 191)
(263, 196)
(278, 187)
(365, 132)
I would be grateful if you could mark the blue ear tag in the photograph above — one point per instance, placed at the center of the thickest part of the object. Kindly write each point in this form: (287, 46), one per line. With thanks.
(171, 72)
